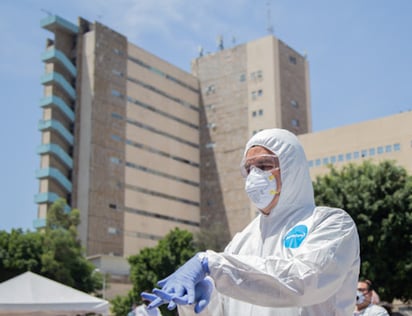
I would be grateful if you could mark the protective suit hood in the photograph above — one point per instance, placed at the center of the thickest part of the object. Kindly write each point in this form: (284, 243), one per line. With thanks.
(297, 189)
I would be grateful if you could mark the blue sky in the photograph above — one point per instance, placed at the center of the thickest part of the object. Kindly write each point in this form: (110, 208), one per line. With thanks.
(359, 53)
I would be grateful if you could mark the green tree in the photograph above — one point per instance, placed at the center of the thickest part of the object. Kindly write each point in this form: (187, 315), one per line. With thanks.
(379, 199)
(154, 264)
(54, 252)
(19, 252)
(63, 258)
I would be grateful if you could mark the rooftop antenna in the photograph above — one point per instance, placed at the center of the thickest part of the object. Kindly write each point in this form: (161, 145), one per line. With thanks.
(219, 41)
(200, 50)
(233, 40)
(47, 12)
(269, 18)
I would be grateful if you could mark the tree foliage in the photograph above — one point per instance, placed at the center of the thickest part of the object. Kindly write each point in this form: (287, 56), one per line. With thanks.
(379, 199)
(19, 252)
(154, 264)
(54, 252)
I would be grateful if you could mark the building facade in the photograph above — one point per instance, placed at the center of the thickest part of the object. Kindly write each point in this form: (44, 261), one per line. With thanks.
(120, 139)
(387, 138)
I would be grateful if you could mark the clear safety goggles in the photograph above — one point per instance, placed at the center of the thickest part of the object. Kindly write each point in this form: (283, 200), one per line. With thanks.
(263, 162)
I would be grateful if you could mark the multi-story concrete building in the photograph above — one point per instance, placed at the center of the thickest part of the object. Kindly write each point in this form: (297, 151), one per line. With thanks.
(120, 139)
(387, 138)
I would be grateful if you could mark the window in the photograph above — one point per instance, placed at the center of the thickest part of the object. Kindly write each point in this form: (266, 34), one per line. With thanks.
(333, 159)
(380, 150)
(356, 155)
(117, 52)
(211, 126)
(294, 103)
(253, 95)
(388, 148)
(260, 112)
(116, 138)
(115, 160)
(117, 116)
(340, 157)
(372, 151)
(210, 145)
(364, 153)
(295, 123)
(310, 163)
(117, 73)
(242, 78)
(292, 59)
(116, 93)
(349, 156)
(397, 147)
(325, 160)
(254, 114)
(112, 231)
(210, 89)
(317, 162)
(260, 92)
(210, 107)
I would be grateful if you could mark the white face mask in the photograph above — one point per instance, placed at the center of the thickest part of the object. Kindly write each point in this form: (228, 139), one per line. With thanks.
(360, 298)
(261, 187)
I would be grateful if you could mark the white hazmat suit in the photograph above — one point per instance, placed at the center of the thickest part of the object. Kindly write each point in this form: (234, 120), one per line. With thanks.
(298, 260)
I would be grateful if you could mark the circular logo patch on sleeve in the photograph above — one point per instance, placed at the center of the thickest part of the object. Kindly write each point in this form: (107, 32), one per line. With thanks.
(295, 236)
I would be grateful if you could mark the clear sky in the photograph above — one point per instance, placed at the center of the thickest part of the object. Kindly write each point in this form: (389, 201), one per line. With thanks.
(359, 52)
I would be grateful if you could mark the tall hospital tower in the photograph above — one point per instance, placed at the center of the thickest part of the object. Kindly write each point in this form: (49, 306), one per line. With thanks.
(140, 146)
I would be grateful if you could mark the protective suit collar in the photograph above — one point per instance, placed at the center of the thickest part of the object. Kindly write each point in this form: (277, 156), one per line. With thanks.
(297, 189)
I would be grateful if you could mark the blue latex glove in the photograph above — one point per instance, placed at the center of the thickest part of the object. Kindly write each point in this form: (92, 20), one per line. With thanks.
(182, 282)
(203, 292)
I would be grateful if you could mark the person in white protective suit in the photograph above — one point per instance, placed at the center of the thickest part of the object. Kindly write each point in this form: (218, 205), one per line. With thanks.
(293, 259)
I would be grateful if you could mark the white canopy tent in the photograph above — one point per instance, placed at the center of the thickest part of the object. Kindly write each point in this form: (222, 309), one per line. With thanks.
(32, 294)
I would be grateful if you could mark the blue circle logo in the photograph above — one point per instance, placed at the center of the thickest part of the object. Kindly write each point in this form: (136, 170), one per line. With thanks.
(295, 236)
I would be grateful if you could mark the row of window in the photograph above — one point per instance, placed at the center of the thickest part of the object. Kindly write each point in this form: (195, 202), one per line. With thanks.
(155, 130)
(155, 90)
(256, 94)
(157, 71)
(364, 153)
(163, 113)
(155, 151)
(118, 161)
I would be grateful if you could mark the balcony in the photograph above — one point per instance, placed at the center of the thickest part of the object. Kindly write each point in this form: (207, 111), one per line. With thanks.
(57, 151)
(54, 55)
(49, 198)
(56, 78)
(55, 23)
(60, 104)
(56, 175)
(39, 223)
(57, 126)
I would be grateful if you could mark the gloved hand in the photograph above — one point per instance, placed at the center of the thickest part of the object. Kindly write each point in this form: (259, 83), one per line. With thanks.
(203, 292)
(182, 282)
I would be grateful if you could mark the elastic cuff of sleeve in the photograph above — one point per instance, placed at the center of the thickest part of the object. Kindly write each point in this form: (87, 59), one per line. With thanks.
(204, 262)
